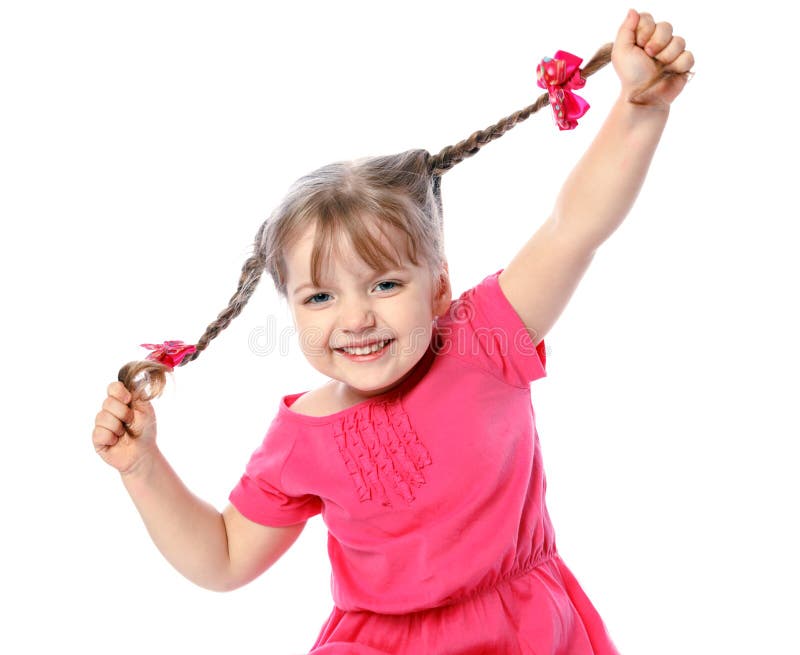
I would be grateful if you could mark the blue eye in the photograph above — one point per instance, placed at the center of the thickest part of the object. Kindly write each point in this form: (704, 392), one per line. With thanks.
(309, 301)
(397, 284)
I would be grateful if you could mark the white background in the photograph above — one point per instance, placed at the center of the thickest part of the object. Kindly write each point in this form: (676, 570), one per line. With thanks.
(144, 143)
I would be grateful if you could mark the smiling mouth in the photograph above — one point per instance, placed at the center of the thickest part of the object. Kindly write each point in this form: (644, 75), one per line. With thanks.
(366, 350)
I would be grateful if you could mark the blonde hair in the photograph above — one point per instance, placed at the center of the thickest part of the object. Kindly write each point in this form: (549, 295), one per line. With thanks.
(343, 199)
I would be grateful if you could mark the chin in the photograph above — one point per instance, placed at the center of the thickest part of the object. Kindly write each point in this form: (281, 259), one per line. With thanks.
(362, 387)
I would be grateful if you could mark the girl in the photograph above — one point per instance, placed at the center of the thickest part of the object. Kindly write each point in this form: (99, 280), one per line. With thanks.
(421, 453)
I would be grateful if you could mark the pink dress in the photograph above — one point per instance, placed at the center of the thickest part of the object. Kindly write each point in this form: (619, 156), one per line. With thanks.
(434, 499)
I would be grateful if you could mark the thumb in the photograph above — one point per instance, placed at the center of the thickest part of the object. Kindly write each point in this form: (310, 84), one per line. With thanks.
(143, 417)
(626, 36)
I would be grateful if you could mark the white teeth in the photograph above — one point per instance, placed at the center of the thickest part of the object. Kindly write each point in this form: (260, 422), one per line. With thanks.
(366, 350)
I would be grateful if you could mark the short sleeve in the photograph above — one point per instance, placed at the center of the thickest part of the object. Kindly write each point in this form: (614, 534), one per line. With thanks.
(262, 494)
(483, 328)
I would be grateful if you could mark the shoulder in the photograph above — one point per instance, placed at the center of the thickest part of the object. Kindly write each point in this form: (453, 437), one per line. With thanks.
(474, 300)
(317, 402)
(483, 328)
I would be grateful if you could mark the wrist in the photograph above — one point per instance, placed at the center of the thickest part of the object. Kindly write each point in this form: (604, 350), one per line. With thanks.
(640, 117)
(626, 103)
(142, 467)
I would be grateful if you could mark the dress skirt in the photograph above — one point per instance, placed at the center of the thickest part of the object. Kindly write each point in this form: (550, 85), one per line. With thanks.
(541, 611)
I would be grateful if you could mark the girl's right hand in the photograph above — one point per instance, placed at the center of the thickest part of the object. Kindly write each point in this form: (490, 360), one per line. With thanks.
(124, 432)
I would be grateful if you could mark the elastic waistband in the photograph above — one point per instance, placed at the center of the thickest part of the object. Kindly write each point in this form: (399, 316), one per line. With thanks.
(509, 576)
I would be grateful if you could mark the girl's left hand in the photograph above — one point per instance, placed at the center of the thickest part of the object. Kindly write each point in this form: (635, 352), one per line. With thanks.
(642, 49)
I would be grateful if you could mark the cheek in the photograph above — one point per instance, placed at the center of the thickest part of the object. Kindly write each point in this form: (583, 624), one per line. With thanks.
(404, 318)
(416, 322)
(313, 336)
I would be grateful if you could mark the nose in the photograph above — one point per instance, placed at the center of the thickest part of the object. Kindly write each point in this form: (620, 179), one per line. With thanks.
(356, 315)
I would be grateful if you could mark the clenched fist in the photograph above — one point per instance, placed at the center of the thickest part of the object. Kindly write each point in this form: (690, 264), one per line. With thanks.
(642, 50)
(124, 429)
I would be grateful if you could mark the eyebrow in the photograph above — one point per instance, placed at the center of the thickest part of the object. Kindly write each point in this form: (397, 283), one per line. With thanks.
(309, 285)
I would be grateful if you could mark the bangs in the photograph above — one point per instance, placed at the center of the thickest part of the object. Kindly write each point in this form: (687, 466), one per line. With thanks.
(382, 241)
(386, 209)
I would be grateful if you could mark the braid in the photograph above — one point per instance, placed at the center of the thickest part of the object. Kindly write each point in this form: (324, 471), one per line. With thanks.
(248, 280)
(452, 155)
(146, 378)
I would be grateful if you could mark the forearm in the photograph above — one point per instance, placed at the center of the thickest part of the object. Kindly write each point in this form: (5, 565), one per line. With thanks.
(189, 532)
(603, 186)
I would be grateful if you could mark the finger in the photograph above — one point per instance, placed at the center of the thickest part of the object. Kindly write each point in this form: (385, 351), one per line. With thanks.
(673, 49)
(141, 419)
(117, 390)
(107, 430)
(659, 40)
(626, 35)
(103, 440)
(645, 29)
(683, 63)
(118, 410)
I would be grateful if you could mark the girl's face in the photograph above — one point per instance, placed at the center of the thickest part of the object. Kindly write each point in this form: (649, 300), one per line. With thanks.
(392, 311)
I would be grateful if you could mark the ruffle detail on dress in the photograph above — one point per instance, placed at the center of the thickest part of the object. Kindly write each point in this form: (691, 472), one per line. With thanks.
(382, 452)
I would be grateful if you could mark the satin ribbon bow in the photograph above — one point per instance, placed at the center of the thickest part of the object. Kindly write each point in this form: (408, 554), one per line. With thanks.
(170, 353)
(559, 76)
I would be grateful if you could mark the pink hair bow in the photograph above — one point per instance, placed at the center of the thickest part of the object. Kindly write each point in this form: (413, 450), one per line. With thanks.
(559, 76)
(170, 353)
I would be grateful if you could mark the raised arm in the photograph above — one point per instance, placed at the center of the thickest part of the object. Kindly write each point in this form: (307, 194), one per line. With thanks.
(598, 194)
